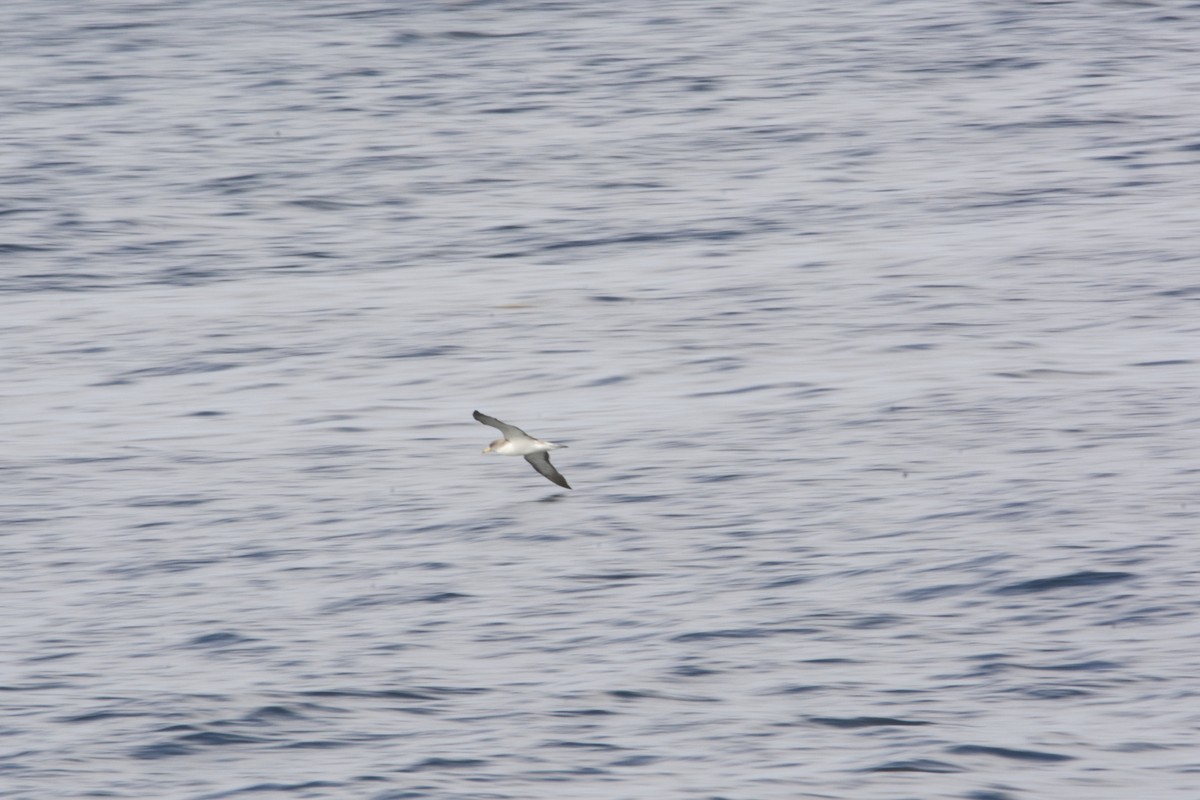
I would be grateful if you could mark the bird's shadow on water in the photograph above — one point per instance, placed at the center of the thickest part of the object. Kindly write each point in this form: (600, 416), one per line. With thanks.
(552, 498)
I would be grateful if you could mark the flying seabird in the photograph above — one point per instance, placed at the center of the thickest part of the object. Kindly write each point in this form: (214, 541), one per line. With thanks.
(517, 442)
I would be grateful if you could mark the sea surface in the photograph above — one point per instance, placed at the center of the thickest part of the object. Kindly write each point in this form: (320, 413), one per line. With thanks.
(873, 331)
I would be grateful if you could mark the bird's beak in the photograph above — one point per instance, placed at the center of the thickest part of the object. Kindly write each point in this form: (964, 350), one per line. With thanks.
(487, 449)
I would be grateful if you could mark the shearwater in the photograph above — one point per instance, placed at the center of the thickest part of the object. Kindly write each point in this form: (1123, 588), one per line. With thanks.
(517, 442)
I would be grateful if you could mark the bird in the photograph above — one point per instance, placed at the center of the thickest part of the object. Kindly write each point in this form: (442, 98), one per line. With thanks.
(517, 442)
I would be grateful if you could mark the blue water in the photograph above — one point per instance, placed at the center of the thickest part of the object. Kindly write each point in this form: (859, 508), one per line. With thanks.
(872, 330)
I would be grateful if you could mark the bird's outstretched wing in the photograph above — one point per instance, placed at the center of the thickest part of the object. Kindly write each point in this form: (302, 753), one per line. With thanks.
(509, 431)
(541, 462)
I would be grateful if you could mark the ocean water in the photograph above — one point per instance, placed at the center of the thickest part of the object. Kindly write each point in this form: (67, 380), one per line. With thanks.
(873, 332)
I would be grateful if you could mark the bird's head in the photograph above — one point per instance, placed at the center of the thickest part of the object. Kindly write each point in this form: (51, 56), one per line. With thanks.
(491, 448)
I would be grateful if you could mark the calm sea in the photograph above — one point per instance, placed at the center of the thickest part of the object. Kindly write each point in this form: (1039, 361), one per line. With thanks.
(873, 331)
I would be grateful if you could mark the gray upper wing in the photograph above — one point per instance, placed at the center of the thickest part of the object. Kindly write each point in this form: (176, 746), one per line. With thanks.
(509, 431)
(541, 462)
